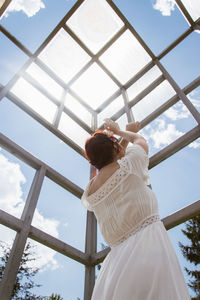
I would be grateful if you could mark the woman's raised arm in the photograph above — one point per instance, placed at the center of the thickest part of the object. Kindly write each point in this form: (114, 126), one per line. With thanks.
(129, 135)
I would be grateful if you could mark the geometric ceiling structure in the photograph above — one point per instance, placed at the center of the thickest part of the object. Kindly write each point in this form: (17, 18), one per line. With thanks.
(93, 65)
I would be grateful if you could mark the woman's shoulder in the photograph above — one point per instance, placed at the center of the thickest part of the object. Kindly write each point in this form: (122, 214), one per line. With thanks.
(100, 179)
(136, 150)
(92, 197)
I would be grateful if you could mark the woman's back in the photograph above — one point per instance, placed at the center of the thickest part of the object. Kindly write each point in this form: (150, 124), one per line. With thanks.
(123, 201)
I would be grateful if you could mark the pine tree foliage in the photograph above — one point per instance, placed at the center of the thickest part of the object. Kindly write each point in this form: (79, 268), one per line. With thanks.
(192, 253)
(55, 297)
(24, 280)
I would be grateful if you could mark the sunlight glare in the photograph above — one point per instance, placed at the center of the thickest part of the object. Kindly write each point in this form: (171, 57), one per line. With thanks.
(34, 99)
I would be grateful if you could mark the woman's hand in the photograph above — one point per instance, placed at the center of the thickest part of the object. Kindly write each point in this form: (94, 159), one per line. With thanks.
(133, 126)
(111, 126)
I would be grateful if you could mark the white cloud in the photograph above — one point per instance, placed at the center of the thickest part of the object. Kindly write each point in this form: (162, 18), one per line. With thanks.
(144, 133)
(165, 134)
(29, 7)
(160, 124)
(193, 7)
(45, 258)
(195, 144)
(178, 111)
(44, 224)
(165, 6)
(9, 235)
(11, 179)
(11, 201)
(194, 97)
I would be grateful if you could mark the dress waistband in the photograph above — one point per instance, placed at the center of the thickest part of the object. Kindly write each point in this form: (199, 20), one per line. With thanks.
(145, 223)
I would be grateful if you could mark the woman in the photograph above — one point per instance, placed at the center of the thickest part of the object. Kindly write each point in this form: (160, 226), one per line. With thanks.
(142, 264)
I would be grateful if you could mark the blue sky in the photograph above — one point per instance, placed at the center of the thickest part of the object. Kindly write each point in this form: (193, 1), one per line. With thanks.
(57, 211)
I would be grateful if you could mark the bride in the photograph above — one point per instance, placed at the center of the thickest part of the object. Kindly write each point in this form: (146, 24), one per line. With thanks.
(142, 263)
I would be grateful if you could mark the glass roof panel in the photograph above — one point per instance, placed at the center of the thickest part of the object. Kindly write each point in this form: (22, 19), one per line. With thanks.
(64, 56)
(34, 20)
(122, 121)
(78, 109)
(33, 98)
(159, 23)
(27, 133)
(143, 82)
(45, 80)
(94, 86)
(125, 57)
(184, 56)
(153, 100)
(71, 128)
(95, 22)
(193, 7)
(11, 59)
(110, 110)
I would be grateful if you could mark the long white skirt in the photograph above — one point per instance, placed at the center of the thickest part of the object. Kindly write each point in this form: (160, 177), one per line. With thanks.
(143, 267)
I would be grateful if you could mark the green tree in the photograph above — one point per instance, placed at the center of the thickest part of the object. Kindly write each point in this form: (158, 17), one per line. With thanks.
(192, 253)
(55, 297)
(24, 282)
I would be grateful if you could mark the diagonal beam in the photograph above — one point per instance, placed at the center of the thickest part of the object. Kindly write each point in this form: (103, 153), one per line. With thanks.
(139, 97)
(59, 26)
(57, 79)
(179, 92)
(15, 41)
(147, 90)
(58, 245)
(13, 263)
(48, 125)
(175, 43)
(185, 12)
(95, 58)
(44, 238)
(13, 80)
(57, 102)
(4, 6)
(174, 147)
(186, 90)
(130, 27)
(182, 215)
(35, 163)
(128, 111)
(10, 221)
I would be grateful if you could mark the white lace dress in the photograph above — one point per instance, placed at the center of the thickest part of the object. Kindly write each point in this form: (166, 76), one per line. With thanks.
(142, 263)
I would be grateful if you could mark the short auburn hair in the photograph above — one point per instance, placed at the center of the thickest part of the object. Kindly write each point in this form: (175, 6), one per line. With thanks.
(100, 149)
